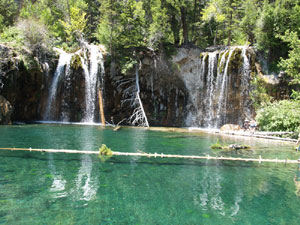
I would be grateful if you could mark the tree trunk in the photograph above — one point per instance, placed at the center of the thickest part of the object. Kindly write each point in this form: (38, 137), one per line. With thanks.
(175, 30)
(184, 25)
(194, 18)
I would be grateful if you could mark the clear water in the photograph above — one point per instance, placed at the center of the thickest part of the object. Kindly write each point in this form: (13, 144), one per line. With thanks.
(44, 188)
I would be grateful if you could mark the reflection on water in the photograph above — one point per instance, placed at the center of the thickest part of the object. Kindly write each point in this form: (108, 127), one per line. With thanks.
(86, 184)
(58, 185)
(210, 193)
(137, 144)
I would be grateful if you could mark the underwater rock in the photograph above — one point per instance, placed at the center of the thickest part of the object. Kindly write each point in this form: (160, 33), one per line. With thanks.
(5, 111)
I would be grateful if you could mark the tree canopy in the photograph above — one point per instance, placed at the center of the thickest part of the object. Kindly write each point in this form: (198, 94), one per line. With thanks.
(127, 24)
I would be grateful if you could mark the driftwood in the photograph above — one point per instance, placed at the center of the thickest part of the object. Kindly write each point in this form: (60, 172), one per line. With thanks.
(156, 155)
(117, 128)
(260, 135)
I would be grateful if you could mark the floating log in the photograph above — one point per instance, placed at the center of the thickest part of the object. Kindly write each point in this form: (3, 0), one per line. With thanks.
(258, 135)
(156, 155)
(273, 133)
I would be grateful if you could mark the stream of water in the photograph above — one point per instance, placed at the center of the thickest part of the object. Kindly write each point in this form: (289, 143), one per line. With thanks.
(44, 188)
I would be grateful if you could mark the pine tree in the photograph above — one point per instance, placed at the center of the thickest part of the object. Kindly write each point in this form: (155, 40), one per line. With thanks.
(8, 13)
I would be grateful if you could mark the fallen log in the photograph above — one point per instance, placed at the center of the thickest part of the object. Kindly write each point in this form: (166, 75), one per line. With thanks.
(156, 155)
(258, 135)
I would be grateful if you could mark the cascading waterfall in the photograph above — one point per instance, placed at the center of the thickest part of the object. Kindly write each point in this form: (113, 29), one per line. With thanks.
(212, 60)
(92, 65)
(91, 78)
(221, 93)
(246, 78)
(63, 67)
(221, 112)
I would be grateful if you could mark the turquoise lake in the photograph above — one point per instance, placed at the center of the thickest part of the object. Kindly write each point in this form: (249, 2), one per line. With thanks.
(59, 188)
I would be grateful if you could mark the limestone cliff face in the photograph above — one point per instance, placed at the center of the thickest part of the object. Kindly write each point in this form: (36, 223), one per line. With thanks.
(194, 87)
(218, 83)
(5, 111)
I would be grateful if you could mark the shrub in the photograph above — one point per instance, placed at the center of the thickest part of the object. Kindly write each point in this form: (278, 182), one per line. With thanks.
(35, 34)
(280, 116)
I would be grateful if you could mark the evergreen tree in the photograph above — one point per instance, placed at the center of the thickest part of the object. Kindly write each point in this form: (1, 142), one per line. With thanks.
(8, 13)
(250, 10)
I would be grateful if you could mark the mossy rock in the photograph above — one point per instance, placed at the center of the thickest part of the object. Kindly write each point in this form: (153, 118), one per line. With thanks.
(229, 147)
(235, 60)
(76, 62)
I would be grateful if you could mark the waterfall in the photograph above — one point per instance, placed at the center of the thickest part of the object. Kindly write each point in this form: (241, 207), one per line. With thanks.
(212, 60)
(91, 78)
(246, 78)
(219, 89)
(222, 100)
(62, 68)
(92, 64)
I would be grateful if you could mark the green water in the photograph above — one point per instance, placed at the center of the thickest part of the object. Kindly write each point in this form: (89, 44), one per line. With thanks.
(44, 188)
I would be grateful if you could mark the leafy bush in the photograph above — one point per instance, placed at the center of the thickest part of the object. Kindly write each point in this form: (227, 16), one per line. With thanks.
(280, 116)
(12, 35)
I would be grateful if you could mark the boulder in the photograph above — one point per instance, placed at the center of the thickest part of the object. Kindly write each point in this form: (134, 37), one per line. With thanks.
(230, 127)
(5, 111)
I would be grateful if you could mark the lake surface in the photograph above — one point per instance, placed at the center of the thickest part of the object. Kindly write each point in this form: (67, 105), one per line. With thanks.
(58, 188)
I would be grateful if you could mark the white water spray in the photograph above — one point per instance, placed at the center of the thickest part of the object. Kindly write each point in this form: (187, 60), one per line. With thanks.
(62, 68)
(91, 79)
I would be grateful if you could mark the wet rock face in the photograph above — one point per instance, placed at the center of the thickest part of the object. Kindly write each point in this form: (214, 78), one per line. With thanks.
(193, 88)
(162, 93)
(5, 111)
(25, 87)
(218, 84)
(70, 97)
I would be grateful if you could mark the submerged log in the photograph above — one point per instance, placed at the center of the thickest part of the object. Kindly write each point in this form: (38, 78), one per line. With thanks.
(156, 155)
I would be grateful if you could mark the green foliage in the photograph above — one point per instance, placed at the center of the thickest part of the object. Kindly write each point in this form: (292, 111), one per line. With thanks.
(291, 65)
(74, 28)
(275, 19)
(76, 62)
(8, 13)
(122, 24)
(12, 35)
(279, 116)
(217, 145)
(127, 64)
(248, 22)
(159, 29)
(259, 94)
(105, 153)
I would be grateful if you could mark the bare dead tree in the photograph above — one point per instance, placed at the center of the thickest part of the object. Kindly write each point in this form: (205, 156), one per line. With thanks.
(131, 95)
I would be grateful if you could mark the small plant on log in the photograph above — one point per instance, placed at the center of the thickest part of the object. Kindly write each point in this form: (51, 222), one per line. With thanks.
(217, 145)
(105, 153)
